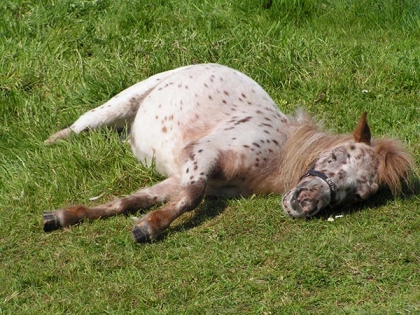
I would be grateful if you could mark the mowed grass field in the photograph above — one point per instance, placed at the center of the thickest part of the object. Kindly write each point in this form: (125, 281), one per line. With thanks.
(336, 59)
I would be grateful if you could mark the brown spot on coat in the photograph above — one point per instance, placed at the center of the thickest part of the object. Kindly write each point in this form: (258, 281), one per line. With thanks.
(243, 120)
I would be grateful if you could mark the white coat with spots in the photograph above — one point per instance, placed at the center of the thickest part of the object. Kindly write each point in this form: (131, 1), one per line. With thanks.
(211, 130)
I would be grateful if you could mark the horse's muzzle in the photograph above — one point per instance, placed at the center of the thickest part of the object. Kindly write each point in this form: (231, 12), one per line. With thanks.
(307, 199)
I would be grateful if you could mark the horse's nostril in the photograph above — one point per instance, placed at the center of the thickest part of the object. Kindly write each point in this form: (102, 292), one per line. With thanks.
(297, 193)
(295, 202)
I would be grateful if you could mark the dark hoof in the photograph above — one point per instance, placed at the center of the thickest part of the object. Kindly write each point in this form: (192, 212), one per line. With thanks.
(141, 234)
(51, 222)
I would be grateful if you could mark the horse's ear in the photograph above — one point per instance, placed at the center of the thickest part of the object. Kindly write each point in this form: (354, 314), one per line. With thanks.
(362, 131)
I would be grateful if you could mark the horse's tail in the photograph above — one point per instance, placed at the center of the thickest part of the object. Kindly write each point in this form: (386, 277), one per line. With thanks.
(118, 112)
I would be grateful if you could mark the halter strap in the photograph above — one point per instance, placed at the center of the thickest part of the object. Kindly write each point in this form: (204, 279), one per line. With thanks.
(329, 181)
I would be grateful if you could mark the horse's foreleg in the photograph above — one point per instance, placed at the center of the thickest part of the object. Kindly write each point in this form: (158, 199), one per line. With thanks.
(155, 222)
(142, 199)
(199, 164)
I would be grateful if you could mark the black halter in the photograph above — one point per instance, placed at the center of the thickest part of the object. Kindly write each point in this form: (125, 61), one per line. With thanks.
(329, 181)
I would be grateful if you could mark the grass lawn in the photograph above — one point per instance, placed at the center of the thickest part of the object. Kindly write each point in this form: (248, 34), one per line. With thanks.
(334, 58)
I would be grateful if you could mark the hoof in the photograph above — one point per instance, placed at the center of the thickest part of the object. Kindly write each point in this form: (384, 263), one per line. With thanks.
(141, 234)
(62, 134)
(51, 222)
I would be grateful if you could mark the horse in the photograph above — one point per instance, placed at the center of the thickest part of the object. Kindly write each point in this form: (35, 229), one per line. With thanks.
(212, 131)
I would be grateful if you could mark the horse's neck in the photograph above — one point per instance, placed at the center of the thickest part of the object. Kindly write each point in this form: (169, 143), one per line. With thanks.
(303, 145)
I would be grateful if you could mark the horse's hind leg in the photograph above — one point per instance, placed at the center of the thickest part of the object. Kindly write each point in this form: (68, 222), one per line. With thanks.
(142, 199)
(118, 112)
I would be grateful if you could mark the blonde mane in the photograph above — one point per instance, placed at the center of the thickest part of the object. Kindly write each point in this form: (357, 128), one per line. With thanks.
(306, 143)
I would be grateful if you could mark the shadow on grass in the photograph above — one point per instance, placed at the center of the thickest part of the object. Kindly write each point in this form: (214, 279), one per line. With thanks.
(212, 207)
(209, 209)
(381, 198)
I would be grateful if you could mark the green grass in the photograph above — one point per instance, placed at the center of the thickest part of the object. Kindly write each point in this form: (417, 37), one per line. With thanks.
(61, 58)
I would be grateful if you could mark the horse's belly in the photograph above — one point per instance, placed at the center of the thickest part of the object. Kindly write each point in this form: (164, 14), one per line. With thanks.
(190, 105)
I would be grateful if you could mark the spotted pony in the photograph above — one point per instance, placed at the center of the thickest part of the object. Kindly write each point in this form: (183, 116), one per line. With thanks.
(213, 131)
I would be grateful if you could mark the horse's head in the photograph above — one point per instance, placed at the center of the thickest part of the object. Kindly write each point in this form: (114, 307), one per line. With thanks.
(349, 172)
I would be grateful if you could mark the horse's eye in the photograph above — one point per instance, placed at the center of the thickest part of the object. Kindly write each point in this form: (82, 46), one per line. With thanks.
(332, 158)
